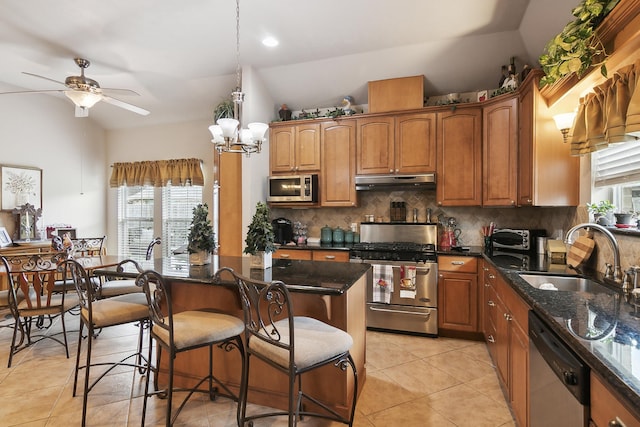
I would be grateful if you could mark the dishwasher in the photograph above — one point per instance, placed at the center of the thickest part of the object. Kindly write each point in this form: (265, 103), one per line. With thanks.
(558, 380)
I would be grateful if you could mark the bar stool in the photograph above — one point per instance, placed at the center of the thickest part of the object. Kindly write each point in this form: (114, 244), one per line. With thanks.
(184, 331)
(96, 314)
(291, 344)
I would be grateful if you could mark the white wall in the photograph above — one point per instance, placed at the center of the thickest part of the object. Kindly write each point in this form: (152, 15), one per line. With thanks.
(39, 130)
(162, 142)
(258, 107)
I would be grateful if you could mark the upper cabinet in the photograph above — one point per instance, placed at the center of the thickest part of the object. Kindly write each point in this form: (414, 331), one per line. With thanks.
(547, 173)
(338, 163)
(459, 154)
(500, 152)
(415, 148)
(375, 145)
(396, 144)
(295, 148)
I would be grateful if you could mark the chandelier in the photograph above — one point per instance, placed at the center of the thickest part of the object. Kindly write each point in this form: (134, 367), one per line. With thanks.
(228, 134)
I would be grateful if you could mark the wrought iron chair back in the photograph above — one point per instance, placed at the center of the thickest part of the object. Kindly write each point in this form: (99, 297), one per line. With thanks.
(89, 245)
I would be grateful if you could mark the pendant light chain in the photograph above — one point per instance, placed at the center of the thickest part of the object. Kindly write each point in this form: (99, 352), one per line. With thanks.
(238, 45)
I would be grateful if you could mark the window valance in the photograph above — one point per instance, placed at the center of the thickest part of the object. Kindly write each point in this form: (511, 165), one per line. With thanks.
(157, 173)
(610, 114)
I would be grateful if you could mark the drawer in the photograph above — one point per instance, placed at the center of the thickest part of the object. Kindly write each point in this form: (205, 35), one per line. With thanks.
(337, 256)
(607, 408)
(459, 264)
(292, 254)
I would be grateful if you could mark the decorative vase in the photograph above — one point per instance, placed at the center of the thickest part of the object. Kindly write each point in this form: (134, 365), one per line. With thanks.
(22, 199)
(261, 260)
(200, 258)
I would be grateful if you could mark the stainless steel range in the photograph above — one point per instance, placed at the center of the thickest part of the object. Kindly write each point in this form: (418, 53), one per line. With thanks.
(403, 292)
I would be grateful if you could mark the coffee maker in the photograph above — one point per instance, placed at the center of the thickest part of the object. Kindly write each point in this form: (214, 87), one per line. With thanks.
(283, 230)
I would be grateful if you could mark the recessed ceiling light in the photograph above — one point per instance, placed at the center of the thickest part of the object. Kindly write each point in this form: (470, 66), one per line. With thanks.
(270, 41)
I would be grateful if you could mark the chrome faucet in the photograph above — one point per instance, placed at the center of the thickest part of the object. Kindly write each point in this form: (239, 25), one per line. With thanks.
(616, 273)
(155, 241)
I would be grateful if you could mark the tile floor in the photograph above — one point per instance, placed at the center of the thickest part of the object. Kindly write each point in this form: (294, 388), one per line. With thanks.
(411, 381)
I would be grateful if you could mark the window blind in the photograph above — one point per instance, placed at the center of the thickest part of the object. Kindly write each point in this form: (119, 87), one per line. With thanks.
(177, 213)
(617, 164)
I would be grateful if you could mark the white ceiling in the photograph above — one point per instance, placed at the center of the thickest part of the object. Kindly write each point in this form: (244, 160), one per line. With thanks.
(180, 55)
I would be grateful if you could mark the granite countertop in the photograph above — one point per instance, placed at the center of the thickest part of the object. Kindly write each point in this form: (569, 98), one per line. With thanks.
(318, 277)
(601, 325)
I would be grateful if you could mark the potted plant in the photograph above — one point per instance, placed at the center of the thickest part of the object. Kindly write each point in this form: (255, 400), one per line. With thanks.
(224, 110)
(260, 238)
(601, 211)
(202, 242)
(577, 48)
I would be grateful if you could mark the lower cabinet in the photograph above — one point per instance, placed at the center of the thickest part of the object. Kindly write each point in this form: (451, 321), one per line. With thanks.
(311, 254)
(458, 293)
(606, 408)
(505, 322)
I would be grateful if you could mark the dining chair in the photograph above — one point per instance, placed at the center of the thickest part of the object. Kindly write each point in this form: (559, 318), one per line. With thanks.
(96, 314)
(120, 286)
(33, 302)
(185, 331)
(88, 246)
(293, 345)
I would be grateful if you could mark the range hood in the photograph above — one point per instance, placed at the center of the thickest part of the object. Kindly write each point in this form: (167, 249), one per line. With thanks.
(425, 181)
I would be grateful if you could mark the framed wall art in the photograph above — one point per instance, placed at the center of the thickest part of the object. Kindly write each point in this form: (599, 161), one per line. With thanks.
(20, 185)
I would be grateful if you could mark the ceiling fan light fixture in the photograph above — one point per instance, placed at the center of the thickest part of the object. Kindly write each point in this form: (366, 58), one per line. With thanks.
(83, 99)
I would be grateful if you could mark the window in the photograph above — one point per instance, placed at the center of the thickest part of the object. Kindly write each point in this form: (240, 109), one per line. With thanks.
(145, 212)
(617, 175)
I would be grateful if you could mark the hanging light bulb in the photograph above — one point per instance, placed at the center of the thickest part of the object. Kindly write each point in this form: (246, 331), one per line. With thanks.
(228, 134)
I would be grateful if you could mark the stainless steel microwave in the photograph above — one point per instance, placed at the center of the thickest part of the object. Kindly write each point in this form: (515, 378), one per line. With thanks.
(293, 188)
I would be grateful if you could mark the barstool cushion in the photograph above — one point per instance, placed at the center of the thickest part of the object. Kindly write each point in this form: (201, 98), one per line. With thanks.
(54, 307)
(197, 327)
(315, 342)
(120, 309)
(111, 288)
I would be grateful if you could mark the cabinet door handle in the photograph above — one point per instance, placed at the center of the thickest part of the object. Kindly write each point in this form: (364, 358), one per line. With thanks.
(491, 303)
(457, 262)
(491, 276)
(486, 285)
(508, 317)
(329, 257)
(284, 255)
(491, 339)
(616, 423)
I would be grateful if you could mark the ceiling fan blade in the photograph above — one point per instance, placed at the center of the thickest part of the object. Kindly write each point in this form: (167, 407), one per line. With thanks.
(32, 91)
(125, 105)
(43, 77)
(108, 90)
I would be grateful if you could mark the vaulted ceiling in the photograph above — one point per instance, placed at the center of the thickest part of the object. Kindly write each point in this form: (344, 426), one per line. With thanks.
(180, 56)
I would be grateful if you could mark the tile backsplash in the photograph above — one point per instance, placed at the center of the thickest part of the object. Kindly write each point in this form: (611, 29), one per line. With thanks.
(470, 220)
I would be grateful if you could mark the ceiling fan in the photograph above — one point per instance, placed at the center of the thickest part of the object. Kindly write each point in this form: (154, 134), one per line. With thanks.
(86, 92)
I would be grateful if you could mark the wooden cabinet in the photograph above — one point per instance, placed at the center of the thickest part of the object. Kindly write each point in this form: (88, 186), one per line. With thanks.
(500, 152)
(506, 322)
(458, 293)
(375, 145)
(337, 178)
(312, 254)
(459, 157)
(294, 148)
(547, 173)
(607, 409)
(396, 144)
(415, 143)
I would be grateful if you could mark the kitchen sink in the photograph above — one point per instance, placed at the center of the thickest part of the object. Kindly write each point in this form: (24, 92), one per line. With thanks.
(564, 283)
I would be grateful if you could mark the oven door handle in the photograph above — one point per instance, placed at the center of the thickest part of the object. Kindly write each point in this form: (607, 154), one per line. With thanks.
(413, 313)
(423, 271)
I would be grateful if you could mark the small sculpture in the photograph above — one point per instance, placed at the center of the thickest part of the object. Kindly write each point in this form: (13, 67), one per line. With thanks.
(56, 243)
(284, 113)
(67, 244)
(346, 105)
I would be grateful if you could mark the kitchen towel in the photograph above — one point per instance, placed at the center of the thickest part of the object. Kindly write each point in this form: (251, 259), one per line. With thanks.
(382, 283)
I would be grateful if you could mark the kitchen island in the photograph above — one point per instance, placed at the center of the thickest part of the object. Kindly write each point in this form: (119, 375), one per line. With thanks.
(333, 292)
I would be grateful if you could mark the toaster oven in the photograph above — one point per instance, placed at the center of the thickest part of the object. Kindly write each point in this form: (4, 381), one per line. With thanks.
(521, 240)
